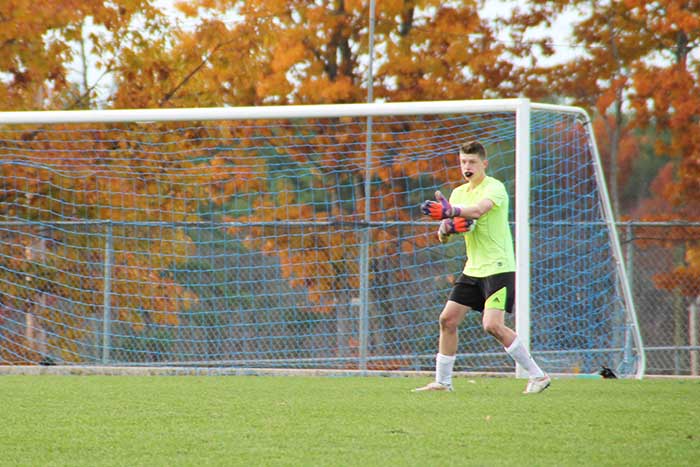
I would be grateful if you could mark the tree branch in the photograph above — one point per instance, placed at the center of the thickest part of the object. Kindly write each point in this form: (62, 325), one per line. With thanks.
(189, 76)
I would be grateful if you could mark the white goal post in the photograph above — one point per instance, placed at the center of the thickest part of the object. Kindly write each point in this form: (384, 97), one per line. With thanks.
(365, 304)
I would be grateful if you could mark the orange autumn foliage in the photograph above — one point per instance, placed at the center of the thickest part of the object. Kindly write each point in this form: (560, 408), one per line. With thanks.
(281, 52)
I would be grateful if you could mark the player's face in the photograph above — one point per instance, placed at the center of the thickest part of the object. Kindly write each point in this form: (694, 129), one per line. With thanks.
(473, 167)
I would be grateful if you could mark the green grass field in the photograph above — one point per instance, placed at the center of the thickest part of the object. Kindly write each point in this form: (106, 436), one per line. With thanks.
(353, 421)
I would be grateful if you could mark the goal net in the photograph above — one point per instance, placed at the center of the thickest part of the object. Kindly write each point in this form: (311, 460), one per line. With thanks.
(290, 237)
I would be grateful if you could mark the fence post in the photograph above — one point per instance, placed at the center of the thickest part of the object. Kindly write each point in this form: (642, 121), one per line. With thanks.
(107, 294)
(363, 330)
(693, 336)
(629, 266)
(366, 232)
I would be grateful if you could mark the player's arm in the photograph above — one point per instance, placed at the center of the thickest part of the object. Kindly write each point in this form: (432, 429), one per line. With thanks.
(475, 211)
(442, 209)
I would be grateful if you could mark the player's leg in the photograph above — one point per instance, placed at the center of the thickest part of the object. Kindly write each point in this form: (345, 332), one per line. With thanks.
(499, 290)
(493, 321)
(452, 315)
(450, 319)
(494, 324)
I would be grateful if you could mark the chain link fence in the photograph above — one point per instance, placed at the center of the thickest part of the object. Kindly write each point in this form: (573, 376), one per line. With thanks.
(666, 292)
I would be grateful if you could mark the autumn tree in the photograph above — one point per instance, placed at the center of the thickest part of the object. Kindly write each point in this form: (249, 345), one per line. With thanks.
(317, 52)
(667, 94)
(597, 78)
(70, 197)
(637, 73)
(41, 43)
(64, 186)
(667, 98)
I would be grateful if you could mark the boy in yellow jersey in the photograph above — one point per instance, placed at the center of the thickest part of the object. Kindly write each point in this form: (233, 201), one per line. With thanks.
(480, 208)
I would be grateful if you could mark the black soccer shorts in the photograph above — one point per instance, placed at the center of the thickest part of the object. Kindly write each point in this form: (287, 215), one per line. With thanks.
(497, 291)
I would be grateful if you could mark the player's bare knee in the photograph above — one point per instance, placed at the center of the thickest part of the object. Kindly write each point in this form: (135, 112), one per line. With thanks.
(449, 322)
(492, 328)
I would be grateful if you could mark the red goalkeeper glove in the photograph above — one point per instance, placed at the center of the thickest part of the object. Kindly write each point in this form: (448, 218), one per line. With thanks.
(440, 209)
(453, 226)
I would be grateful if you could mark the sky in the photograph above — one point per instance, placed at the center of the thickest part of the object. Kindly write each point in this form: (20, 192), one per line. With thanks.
(561, 29)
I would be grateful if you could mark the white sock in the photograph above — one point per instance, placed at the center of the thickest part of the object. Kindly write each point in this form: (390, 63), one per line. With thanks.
(518, 352)
(443, 368)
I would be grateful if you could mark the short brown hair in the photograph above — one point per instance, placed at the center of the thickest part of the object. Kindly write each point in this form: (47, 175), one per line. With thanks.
(473, 147)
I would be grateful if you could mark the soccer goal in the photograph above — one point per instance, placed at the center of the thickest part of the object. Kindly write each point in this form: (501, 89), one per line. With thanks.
(290, 237)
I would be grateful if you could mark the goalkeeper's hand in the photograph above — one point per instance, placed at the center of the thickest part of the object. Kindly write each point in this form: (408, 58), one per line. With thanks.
(440, 209)
(453, 226)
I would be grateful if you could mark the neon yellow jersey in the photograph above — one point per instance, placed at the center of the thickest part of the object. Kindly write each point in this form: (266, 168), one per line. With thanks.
(490, 244)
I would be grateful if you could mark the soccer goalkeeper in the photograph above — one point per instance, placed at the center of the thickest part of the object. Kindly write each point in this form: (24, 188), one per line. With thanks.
(479, 208)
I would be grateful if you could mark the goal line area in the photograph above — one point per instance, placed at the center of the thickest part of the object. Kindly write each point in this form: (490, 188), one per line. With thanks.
(98, 370)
